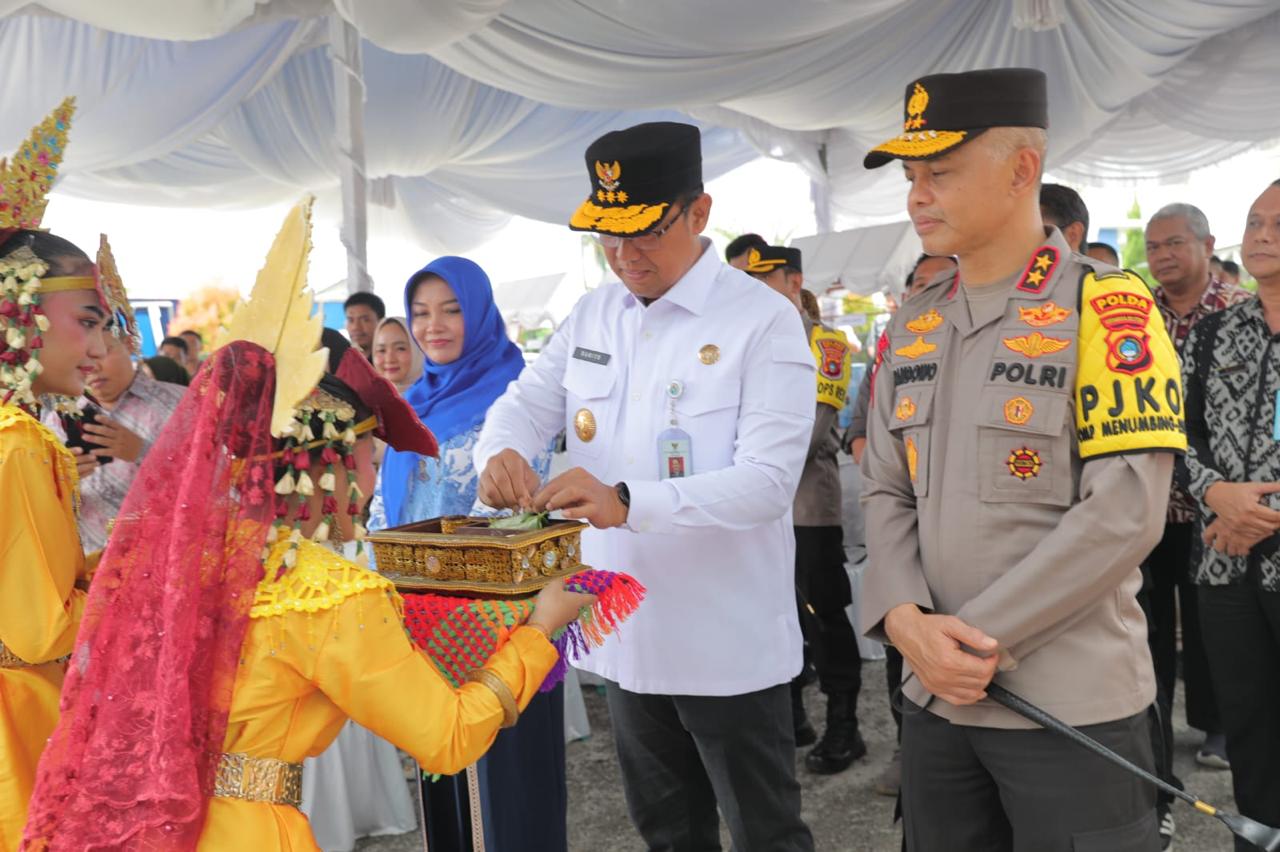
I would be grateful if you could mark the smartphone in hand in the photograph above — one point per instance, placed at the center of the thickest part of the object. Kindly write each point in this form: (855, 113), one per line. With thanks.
(77, 437)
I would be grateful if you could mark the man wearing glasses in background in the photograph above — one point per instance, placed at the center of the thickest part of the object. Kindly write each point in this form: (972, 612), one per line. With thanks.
(687, 395)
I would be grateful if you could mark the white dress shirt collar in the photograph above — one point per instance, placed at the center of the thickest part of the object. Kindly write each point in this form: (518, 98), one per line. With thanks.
(693, 291)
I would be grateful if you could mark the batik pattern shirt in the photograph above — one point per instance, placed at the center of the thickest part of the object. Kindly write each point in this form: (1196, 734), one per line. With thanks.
(1231, 371)
(1218, 296)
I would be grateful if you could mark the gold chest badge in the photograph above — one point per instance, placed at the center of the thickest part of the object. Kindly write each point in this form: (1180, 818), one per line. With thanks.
(584, 425)
(1024, 463)
(913, 456)
(917, 349)
(926, 322)
(709, 354)
(1018, 410)
(906, 409)
(1043, 316)
(1035, 344)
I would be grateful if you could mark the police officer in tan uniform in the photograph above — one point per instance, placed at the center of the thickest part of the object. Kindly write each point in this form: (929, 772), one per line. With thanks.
(1024, 421)
(822, 584)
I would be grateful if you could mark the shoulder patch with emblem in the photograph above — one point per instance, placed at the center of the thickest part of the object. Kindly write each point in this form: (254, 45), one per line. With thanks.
(1129, 383)
(834, 355)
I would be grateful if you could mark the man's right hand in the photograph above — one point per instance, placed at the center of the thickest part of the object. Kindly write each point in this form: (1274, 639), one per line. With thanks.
(932, 644)
(508, 482)
(1239, 508)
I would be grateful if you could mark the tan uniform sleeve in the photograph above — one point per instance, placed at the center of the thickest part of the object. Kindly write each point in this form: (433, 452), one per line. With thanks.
(369, 669)
(824, 421)
(1099, 542)
(894, 572)
(40, 557)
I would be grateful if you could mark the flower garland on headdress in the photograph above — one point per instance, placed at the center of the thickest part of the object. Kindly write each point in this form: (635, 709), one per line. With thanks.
(25, 181)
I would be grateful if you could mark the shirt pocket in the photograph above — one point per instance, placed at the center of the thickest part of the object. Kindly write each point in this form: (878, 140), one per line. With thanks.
(589, 407)
(1024, 447)
(911, 421)
(708, 410)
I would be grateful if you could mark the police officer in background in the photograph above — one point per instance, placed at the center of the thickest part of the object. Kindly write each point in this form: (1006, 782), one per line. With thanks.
(687, 393)
(1024, 420)
(821, 581)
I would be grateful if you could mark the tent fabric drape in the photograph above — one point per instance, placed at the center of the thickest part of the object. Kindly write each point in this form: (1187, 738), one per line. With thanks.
(480, 109)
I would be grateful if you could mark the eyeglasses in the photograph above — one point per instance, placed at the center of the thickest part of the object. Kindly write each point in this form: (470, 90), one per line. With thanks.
(646, 242)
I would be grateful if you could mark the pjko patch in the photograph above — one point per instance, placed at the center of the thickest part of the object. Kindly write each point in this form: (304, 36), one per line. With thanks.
(1125, 316)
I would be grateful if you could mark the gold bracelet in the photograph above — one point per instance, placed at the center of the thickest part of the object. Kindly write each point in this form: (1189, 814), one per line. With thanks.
(510, 710)
(541, 628)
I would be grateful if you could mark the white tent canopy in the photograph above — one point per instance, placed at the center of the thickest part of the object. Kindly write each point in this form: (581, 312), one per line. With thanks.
(532, 301)
(477, 109)
(862, 260)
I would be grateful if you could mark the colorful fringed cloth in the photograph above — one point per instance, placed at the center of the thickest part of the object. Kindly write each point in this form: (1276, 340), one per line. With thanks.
(460, 634)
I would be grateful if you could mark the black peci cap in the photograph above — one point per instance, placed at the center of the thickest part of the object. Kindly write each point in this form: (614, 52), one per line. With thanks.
(635, 176)
(765, 259)
(943, 111)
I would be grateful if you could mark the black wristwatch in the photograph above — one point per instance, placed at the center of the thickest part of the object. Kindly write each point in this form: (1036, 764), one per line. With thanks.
(624, 494)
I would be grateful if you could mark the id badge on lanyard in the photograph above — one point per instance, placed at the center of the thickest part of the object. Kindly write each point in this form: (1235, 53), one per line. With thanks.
(675, 446)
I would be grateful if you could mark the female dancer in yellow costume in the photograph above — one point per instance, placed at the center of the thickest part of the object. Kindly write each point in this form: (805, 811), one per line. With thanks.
(221, 646)
(52, 315)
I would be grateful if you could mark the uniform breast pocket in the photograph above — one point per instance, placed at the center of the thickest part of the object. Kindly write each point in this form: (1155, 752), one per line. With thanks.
(1024, 448)
(910, 420)
(708, 410)
(589, 407)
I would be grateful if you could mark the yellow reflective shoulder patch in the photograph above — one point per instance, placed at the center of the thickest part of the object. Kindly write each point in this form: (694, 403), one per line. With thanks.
(1129, 382)
(832, 352)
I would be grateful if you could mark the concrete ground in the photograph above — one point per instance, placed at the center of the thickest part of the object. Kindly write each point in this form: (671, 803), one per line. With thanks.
(843, 810)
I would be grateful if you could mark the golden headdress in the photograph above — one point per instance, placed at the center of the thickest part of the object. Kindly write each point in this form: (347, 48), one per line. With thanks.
(26, 179)
(124, 325)
(278, 317)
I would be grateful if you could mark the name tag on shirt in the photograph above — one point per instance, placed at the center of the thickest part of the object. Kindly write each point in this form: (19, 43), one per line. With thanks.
(675, 454)
(591, 356)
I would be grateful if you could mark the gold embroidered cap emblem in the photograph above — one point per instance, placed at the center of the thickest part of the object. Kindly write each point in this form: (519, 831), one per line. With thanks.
(610, 175)
(584, 425)
(926, 322)
(709, 354)
(916, 349)
(913, 456)
(916, 105)
(906, 409)
(1018, 410)
(1044, 315)
(1035, 344)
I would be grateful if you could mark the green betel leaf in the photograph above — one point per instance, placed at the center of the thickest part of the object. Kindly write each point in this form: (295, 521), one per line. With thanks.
(521, 521)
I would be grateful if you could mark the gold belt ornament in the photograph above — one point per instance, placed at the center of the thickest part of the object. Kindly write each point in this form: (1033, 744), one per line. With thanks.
(259, 779)
(10, 660)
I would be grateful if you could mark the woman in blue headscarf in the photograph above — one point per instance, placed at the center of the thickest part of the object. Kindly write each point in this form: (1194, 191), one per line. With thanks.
(469, 361)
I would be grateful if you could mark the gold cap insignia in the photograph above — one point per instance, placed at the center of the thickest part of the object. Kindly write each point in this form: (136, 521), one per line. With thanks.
(1018, 410)
(584, 425)
(916, 349)
(916, 105)
(926, 322)
(709, 354)
(610, 175)
(1035, 344)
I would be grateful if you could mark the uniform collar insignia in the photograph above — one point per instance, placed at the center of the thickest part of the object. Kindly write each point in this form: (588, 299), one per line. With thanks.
(1039, 270)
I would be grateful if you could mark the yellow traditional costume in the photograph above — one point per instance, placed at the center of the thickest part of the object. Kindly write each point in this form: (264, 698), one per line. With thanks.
(41, 560)
(219, 647)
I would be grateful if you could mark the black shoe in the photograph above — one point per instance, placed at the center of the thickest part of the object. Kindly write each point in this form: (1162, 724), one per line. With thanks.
(1167, 827)
(841, 743)
(805, 734)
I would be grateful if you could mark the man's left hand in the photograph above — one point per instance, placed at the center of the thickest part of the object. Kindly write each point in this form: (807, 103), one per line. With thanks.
(115, 441)
(1230, 541)
(580, 496)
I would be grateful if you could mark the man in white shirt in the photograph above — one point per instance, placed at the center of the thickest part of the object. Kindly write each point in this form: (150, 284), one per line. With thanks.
(687, 394)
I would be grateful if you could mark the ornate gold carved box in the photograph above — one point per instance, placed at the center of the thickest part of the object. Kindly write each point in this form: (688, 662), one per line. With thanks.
(465, 556)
